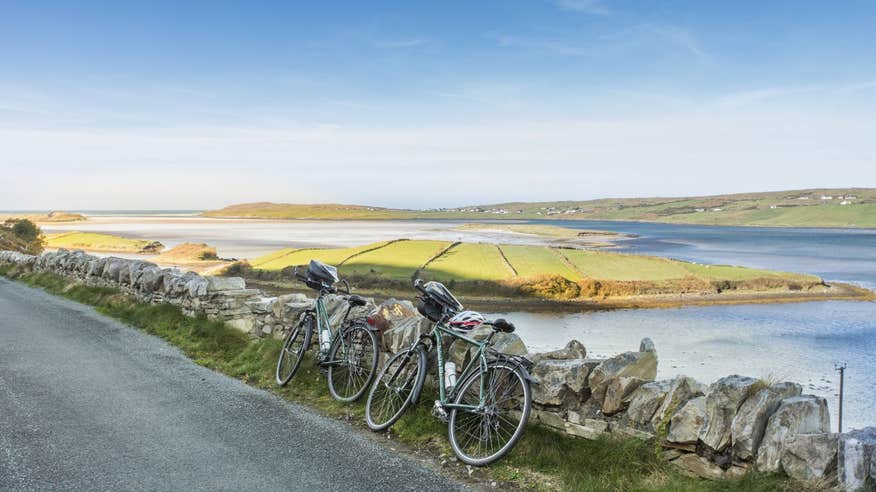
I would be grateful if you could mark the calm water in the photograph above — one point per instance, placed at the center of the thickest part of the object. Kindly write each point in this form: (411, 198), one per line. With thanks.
(800, 342)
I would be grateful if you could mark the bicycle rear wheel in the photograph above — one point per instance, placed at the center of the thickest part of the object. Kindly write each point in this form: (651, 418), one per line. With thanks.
(394, 388)
(296, 343)
(353, 363)
(480, 437)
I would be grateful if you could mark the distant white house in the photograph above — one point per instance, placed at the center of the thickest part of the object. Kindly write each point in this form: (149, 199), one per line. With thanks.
(845, 202)
(774, 206)
(826, 197)
(717, 209)
(701, 210)
(803, 198)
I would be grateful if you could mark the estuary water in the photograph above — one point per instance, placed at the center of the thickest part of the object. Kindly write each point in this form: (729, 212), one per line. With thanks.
(800, 341)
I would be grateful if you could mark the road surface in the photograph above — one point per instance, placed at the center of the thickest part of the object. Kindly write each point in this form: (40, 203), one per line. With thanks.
(89, 403)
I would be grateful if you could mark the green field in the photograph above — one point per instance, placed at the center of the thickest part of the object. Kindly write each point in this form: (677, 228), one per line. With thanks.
(398, 260)
(470, 261)
(539, 260)
(296, 257)
(403, 259)
(101, 242)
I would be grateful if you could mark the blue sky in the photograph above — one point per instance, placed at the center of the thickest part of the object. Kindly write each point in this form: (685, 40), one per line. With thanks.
(414, 104)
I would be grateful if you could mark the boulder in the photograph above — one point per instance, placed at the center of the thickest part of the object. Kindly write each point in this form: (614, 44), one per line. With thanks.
(279, 306)
(697, 466)
(647, 345)
(644, 401)
(573, 350)
(642, 365)
(749, 424)
(390, 312)
(404, 333)
(218, 284)
(113, 268)
(560, 381)
(856, 459)
(150, 279)
(95, 267)
(616, 394)
(461, 352)
(805, 414)
(810, 456)
(683, 389)
(684, 426)
(722, 401)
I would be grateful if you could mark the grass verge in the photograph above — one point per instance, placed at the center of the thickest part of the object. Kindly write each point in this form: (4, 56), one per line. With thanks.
(542, 460)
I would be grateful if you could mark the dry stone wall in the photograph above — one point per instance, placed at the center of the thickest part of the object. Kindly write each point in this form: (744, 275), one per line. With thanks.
(716, 431)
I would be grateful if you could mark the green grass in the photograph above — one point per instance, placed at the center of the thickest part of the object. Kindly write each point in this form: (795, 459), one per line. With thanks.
(295, 257)
(617, 266)
(96, 242)
(542, 460)
(538, 260)
(470, 261)
(398, 260)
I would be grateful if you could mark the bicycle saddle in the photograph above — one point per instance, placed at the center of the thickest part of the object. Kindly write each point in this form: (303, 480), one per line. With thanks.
(355, 300)
(503, 326)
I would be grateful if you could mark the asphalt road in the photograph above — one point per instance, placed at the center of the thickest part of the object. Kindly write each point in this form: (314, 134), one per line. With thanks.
(89, 403)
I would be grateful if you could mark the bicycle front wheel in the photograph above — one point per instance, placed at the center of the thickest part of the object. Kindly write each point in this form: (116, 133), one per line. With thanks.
(352, 364)
(482, 436)
(296, 343)
(394, 388)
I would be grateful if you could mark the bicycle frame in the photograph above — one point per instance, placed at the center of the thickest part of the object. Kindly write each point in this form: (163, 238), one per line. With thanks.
(480, 358)
(322, 320)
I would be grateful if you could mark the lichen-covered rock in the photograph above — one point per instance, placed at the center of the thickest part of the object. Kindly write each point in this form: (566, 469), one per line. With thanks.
(392, 311)
(218, 284)
(560, 381)
(404, 333)
(573, 350)
(461, 352)
(856, 460)
(697, 466)
(684, 426)
(722, 401)
(642, 365)
(749, 424)
(644, 401)
(683, 389)
(805, 414)
(810, 456)
(616, 393)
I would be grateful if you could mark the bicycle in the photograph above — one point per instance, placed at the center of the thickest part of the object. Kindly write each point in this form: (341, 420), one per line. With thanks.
(348, 354)
(486, 411)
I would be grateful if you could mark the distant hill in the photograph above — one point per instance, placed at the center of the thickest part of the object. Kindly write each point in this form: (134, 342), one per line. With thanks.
(844, 207)
(328, 211)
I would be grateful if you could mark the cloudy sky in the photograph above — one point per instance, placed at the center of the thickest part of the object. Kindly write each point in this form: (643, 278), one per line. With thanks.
(170, 105)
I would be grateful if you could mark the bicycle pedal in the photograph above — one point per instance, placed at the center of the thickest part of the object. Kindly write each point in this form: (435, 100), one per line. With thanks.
(440, 412)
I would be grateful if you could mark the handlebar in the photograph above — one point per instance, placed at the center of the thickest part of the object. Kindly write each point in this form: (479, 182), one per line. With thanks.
(418, 284)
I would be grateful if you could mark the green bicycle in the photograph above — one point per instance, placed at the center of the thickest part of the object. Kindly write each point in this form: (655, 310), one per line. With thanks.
(349, 354)
(486, 410)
